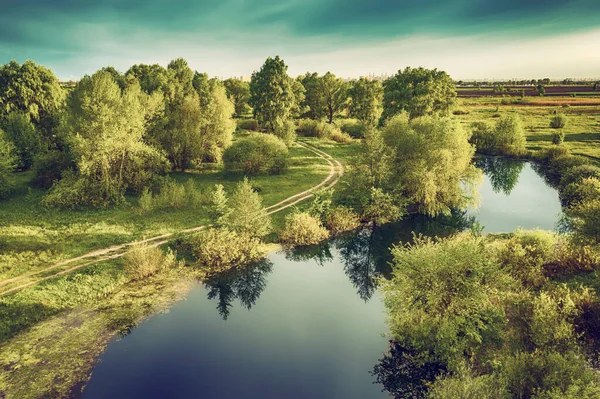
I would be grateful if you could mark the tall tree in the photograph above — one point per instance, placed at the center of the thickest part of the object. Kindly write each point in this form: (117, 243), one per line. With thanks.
(334, 94)
(238, 92)
(29, 88)
(248, 216)
(313, 101)
(272, 94)
(25, 137)
(365, 100)
(107, 125)
(419, 92)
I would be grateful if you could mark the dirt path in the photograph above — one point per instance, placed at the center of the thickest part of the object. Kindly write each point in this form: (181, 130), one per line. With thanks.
(116, 251)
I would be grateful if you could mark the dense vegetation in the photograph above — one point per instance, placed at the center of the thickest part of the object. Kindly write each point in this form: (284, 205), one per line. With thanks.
(470, 315)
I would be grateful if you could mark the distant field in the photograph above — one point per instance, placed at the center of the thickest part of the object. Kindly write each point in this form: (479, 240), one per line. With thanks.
(529, 91)
(582, 132)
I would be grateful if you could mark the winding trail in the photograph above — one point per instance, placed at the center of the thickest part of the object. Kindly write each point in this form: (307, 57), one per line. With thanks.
(14, 284)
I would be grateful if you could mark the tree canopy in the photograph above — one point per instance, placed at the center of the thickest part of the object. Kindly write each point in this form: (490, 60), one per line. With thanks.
(238, 92)
(273, 94)
(418, 91)
(365, 100)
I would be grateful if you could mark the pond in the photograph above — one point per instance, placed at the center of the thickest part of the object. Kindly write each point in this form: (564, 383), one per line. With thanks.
(308, 323)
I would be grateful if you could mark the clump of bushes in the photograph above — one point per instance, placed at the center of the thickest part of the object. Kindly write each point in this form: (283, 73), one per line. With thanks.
(320, 129)
(143, 260)
(505, 138)
(558, 138)
(353, 127)
(341, 219)
(558, 121)
(301, 228)
(247, 124)
(257, 154)
(340, 137)
(170, 195)
(221, 249)
(286, 131)
(8, 162)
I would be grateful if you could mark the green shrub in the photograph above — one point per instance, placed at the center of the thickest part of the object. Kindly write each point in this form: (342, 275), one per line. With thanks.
(22, 133)
(558, 138)
(320, 129)
(170, 195)
(465, 385)
(286, 131)
(576, 174)
(506, 138)
(146, 201)
(257, 154)
(301, 228)
(340, 137)
(588, 189)
(220, 249)
(341, 219)
(143, 260)
(353, 127)
(558, 121)
(247, 214)
(248, 124)
(49, 167)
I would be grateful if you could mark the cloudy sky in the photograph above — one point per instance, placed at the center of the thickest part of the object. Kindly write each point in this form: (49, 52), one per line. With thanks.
(468, 38)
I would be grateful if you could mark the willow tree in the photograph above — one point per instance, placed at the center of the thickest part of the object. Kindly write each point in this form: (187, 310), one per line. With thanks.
(432, 163)
(107, 126)
(273, 94)
(418, 91)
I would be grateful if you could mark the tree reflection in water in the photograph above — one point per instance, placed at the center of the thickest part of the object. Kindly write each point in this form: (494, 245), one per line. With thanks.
(503, 173)
(244, 283)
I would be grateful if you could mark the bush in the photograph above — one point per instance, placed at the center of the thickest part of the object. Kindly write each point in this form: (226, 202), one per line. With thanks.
(170, 195)
(221, 249)
(8, 162)
(588, 189)
(257, 154)
(342, 219)
(320, 129)
(286, 131)
(21, 132)
(247, 124)
(558, 121)
(558, 138)
(353, 127)
(340, 137)
(301, 228)
(143, 260)
(50, 166)
(465, 385)
(506, 138)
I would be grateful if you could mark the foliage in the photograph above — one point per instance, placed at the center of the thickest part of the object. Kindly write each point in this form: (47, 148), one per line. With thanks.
(558, 121)
(248, 216)
(383, 207)
(8, 161)
(321, 204)
(558, 138)
(419, 92)
(30, 88)
(143, 260)
(506, 138)
(354, 128)
(108, 126)
(341, 219)
(286, 131)
(466, 385)
(432, 163)
(49, 167)
(170, 195)
(219, 206)
(441, 296)
(238, 92)
(301, 228)
(366, 101)
(257, 154)
(248, 124)
(24, 136)
(220, 249)
(312, 128)
(272, 94)
(340, 137)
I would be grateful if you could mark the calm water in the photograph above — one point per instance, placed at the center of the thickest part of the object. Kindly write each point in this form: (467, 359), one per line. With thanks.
(305, 324)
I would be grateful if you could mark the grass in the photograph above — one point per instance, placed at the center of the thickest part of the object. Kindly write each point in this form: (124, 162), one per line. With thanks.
(582, 132)
(33, 237)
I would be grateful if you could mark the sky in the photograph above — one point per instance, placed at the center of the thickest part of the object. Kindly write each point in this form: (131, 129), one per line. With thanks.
(492, 39)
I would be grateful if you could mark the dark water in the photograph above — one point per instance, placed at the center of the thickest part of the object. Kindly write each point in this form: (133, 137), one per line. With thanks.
(303, 324)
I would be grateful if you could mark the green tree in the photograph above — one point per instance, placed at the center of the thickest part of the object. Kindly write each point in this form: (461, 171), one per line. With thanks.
(238, 92)
(432, 163)
(248, 216)
(313, 101)
(541, 89)
(219, 206)
(8, 161)
(24, 136)
(419, 92)
(273, 94)
(334, 94)
(107, 126)
(32, 89)
(365, 100)
(151, 78)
